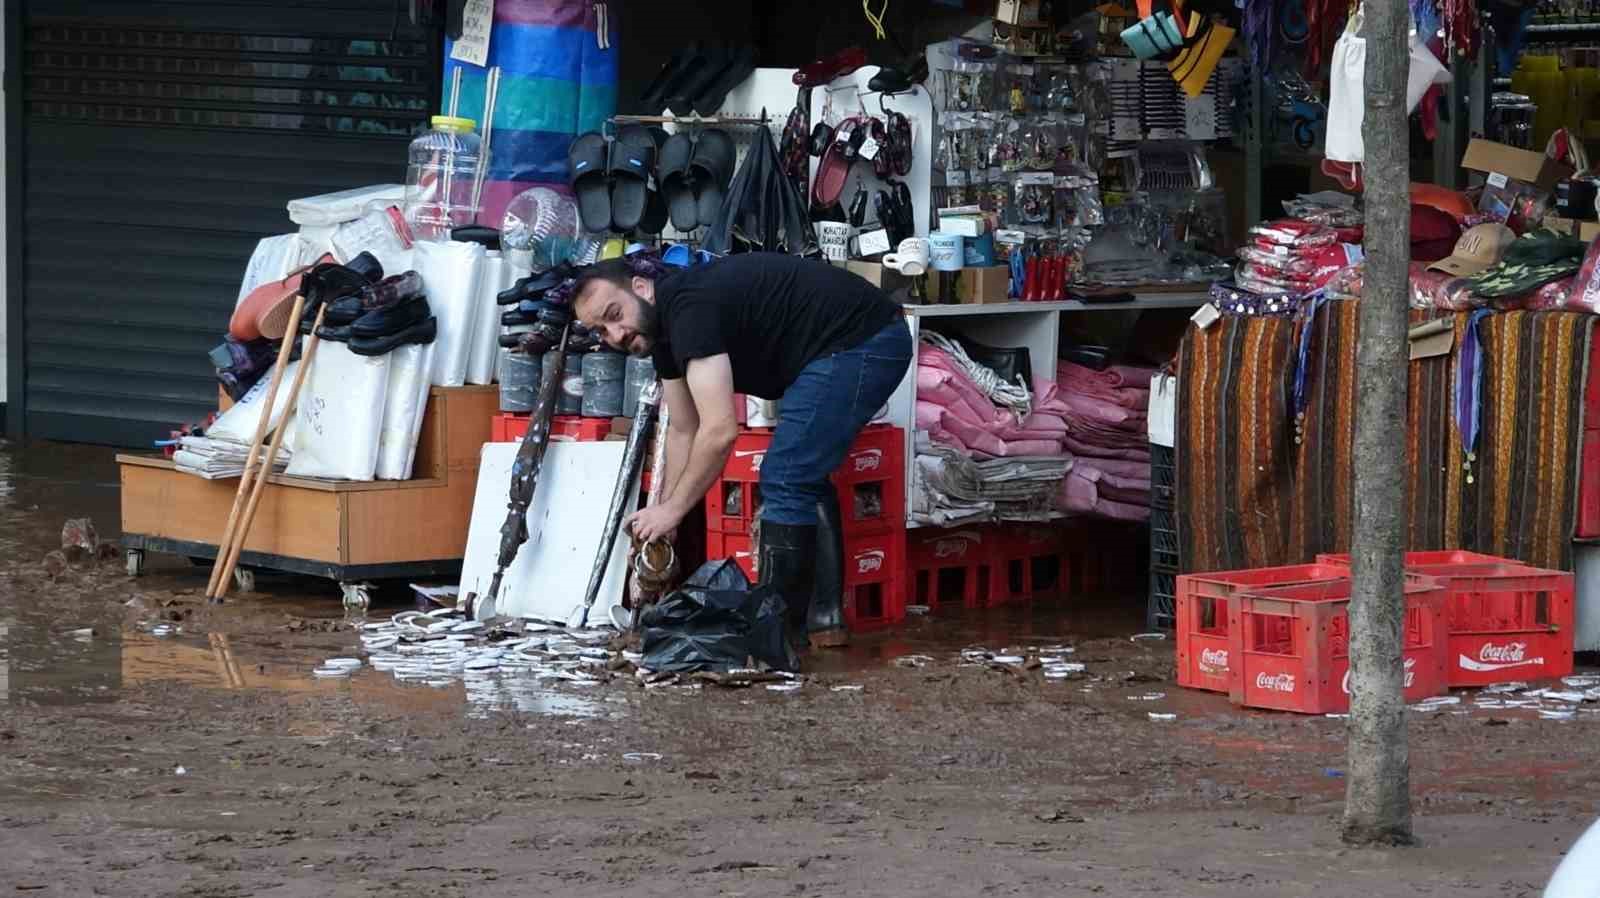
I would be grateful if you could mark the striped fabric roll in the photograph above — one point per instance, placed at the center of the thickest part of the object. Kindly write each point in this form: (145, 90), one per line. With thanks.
(556, 82)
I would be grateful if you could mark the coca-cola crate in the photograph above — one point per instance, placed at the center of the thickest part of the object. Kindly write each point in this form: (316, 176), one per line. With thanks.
(735, 496)
(1029, 560)
(951, 566)
(872, 481)
(1507, 621)
(508, 428)
(734, 546)
(1289, 645)
(875, 581)
(1201, 616)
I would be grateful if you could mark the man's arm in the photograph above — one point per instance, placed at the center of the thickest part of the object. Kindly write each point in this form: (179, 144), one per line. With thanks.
(709, 382)
(682, 422)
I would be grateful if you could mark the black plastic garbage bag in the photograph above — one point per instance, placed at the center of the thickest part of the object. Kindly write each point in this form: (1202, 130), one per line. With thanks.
(716, 622)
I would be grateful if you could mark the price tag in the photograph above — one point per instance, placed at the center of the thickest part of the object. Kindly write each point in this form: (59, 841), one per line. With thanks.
(869, 149)
(873, 242)
(1010, 237)
(1496, 179)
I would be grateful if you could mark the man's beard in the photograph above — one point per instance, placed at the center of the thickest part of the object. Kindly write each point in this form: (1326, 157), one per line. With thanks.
(647, 326)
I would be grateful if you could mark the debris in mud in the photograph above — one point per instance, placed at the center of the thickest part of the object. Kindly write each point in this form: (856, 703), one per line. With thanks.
(79, 540)
(1154, 635)
(1058, 817)
(913, 661)
(1157, 715)
(55, 564)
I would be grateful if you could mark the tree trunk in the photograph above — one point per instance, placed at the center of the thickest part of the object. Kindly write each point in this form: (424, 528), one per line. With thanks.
(1378, 786)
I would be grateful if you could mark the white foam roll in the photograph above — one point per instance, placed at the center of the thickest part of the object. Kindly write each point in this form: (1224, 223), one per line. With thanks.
(486, 321)
(339, 416)
(406, 393)
(450, 276)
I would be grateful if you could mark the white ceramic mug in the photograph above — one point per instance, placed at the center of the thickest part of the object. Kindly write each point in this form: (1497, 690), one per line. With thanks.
(946, 252)
(834, 239)
(910, 258)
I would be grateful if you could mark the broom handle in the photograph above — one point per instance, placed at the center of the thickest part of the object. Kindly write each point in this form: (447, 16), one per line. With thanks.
(260, 483)
(255, 447)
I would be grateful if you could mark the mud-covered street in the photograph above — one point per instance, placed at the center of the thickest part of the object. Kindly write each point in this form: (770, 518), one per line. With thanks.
(152, 745)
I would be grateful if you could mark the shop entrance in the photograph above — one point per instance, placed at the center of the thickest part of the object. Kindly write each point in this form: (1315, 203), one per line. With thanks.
(151, 145)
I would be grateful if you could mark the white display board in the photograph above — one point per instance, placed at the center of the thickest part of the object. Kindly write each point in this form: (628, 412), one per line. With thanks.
(551, 571)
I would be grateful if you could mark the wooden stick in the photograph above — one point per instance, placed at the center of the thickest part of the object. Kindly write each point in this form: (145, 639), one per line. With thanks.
(260, 483)
(255, 446)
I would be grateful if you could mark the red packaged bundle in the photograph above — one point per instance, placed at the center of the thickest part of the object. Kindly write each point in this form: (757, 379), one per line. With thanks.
(1293, 233)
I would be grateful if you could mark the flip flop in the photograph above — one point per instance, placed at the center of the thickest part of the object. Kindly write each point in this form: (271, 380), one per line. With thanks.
(672, 176)
(633, 158)
(711, 167)
(666, 81)
(586, 175)
(741, 63)
(835, 166)
(655, 209)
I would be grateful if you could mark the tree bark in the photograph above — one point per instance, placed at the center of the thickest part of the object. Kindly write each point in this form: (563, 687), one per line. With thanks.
(1378, 786)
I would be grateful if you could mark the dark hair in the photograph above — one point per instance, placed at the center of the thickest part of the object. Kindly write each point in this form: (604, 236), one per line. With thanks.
(616, 272)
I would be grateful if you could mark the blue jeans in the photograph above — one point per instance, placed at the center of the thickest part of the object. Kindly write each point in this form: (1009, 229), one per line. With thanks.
(819, 416)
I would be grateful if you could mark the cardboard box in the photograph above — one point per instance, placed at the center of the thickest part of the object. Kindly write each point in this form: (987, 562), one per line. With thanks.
(965, 225)
(974, 286)
(886, 279)
(1519, 165)
(1586, 231)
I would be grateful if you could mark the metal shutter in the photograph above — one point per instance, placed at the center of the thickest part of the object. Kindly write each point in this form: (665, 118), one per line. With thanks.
(160, 142)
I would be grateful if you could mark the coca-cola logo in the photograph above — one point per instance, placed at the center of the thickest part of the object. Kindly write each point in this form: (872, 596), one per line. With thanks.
(1493, 657)
(1275, 682)
(1411, 676)
(867, 460)
(1214, 660)
(955, 545)
(871, 561)
(755, 456)
(1511, 651)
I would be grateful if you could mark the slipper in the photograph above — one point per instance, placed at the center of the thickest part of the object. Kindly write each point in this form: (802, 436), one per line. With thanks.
(678, 255)
(834, 167)
(667, 79)
(703, 70)
(741, 63)
(711, 166)
(586, 175)
(655, 209)
(672, 176)
(633, 158)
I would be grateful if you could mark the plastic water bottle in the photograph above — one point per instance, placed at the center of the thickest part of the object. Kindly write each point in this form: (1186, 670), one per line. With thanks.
(439, 180)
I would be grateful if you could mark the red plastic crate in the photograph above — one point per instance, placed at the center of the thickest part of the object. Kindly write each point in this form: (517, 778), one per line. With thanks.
(735, 496)
(1201, 616)
(1430, 558)
(871, 481)
(735, 546)
(1505, 622)
(507, 428)
(1289, 645)
(950, 566)
(1028, 560)
(875, 581)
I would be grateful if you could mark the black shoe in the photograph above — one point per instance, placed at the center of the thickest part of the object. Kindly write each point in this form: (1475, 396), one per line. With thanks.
(533, 286)
(825, 620)
(382, 322)
(788, 562)
(330, 280)
(423, 331)
(889, 81)
(517, 316)
(344, 310)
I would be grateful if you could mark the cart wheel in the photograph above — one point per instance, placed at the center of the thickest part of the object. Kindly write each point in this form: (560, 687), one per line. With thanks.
(135, 559)
(244, 579)
(356, 595)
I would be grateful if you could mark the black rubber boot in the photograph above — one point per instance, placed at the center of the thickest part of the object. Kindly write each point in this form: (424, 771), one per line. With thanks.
(788, 558)
(826, 619)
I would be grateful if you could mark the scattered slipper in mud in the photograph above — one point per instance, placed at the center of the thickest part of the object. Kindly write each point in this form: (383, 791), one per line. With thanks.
(1157, 715)
(1139, 637)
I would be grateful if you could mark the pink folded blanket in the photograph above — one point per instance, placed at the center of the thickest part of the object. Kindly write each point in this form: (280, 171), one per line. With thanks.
(955, 393)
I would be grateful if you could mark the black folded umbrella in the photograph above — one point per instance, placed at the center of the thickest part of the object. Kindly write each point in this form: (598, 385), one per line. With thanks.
(763, 210)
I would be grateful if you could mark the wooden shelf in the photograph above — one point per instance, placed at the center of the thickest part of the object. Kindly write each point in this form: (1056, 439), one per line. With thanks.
(1142, 302)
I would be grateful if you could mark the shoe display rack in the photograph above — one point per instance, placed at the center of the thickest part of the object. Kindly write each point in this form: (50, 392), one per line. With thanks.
(349, 532)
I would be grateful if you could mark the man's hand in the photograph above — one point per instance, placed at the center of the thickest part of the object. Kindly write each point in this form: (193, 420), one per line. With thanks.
(656, 522)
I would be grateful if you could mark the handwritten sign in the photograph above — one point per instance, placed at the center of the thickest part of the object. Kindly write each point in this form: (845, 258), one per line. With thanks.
(476, 22)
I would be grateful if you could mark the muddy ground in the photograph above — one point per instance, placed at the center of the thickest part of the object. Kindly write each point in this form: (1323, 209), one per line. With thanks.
(134, 764)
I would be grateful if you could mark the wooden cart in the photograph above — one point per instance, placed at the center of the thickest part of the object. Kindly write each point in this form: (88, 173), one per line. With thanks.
(350, 532)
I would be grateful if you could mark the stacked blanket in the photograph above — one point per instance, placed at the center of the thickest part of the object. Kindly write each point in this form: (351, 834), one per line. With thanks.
(956, 413)
(1107, 436)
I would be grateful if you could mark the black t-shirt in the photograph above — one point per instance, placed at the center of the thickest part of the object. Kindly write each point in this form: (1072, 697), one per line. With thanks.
(771, 313)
